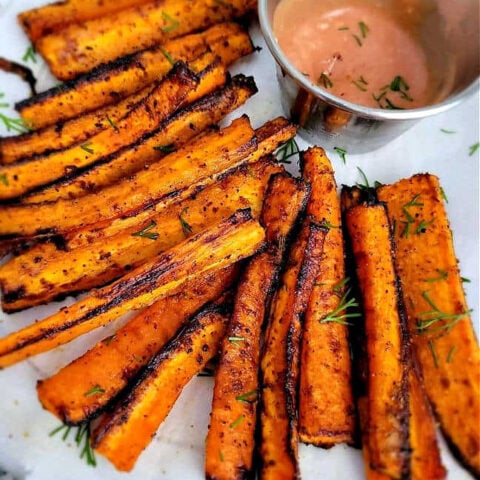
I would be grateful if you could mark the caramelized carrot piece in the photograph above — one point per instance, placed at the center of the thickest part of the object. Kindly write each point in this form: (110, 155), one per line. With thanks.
(77, 49)
(439, 319)
(326, 409)
(145, 117)
(114, 361)
(230, 440)
(45, 272)
(386, 341)
(215, 248)
(211, 75)
(194, 163)
(125, 76)
(279, 364)
(124, 433)
(41, 21)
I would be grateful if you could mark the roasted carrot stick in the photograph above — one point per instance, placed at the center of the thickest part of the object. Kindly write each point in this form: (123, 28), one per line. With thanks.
(145, 117)
(46, 272)
(114, 361)
(211, 75)
(116, 80)
(388, 448)
(41, 21)
(172, 134)
(179, 170)
(230, 440)
(123, 434)
(326, 408)
(216, 248)
(77, 49)
(439, 319)
(279, 364)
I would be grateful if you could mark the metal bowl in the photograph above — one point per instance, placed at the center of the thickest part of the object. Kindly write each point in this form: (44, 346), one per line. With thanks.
(452, 30)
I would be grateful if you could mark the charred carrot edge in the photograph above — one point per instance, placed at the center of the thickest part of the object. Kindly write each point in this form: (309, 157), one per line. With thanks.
(123, 434)
(230, 440)
(211, 75)
(187, 166)
(386, 340)
(146, 116)
(172, 134)
(278, 448)
(326, 407)
(439, 319)
(77, 49)
(127, 75)
(41, 21)
(114, 361)
(216, 248)
(45, 272)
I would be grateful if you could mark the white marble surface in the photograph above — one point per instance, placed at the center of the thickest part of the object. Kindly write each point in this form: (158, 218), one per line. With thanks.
(177, 452)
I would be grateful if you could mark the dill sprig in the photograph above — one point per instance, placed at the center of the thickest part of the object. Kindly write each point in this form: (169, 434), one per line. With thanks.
(340, 314)
(87, 147)
(431, 346)
(473, 148)
(186, 228)
(82, 440)
(428, 322)
(442, 275)
(170, 148)
(325, 80)
(237, 422)
(30, 54)
(341, 152)
(168, 56)
(146, 233)
(249, 397)
(286, 151)
(17, 125)
(172, 23)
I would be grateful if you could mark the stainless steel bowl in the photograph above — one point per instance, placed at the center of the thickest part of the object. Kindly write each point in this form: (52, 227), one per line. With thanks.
(451, 30)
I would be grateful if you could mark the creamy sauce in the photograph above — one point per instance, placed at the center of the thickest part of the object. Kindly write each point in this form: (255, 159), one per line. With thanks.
(358, 51)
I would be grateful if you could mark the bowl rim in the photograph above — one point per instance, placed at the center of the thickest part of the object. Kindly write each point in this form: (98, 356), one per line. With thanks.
(360, 110)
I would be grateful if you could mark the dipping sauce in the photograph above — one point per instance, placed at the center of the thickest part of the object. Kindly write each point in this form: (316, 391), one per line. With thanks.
(360, 50)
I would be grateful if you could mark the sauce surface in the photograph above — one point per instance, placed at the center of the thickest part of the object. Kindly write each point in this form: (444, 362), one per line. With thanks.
(359, 51)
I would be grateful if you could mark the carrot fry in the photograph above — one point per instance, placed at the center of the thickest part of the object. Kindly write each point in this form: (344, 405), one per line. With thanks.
(145, 117)
(123, 434)
(179, 170)
(326, 408)
(439, 320)
(114, 361)
(229, 451)
(77, 49)
(216, 248)
(211, 75)
(172, 134)
(388, 448)
(125, 76)
(280, 358)
(45, 272)
(41, 21)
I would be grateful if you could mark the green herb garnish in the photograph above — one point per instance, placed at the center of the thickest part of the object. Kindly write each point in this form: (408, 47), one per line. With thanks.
(112, 123)
(82, 440)
(146, 233)
(324, 79)
(95, 390)
(248, 397)
(445, 130)
(170, 148)
(287, 150)
(238, 421)
(172, 23)
(186, 228)
(86, 147)
(3, 179)
(30, 54)
(443, 274)
(473, 148)
(340, 314)
(431, 346)
(451, 353)
(168, 56)
(341, 152)
(431, 318)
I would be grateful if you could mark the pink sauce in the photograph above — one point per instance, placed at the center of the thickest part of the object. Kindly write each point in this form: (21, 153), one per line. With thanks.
(358, 50)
